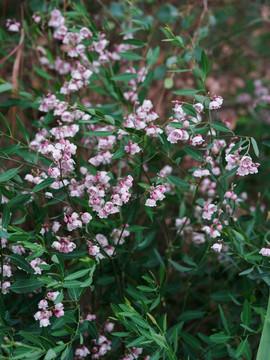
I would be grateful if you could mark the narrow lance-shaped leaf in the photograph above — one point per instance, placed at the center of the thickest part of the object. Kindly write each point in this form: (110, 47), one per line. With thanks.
(20, 261)
(9, 174)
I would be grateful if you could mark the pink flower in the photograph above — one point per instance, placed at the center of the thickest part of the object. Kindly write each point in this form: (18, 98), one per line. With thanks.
(198, 107)
(43, 317)
(52, 295)
(196, 140)
(216, 103)
(36, 17)
(82, 352)
(5, 287)
(13, 25)
(150, 202)
(109, 326)
(54, 172)
(43, 304)
(44, 322)
(198, 238)
(85, 33)
(209, 210)
(177, 135)
(265, 252)
(86, 217)
(132, 148)
(93, 249)
(217, 247)
(59, 310)
(35, 262)
(56, 19)
(201, 172)
(56, 226)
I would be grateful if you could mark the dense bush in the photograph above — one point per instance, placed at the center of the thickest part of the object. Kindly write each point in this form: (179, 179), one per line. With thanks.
(134, 181)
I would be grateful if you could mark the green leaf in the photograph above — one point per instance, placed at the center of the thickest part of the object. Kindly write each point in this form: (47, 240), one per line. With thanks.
(134, 228)
(175, 341)
(50, 355)
(238, 235)
(110, 119)
(72, 284)
(220, 338)
(191, 315)
(220, 127)
(130, 56)
(255, 147)
(189, 110)
(198, 73)
(135, 42)
(223, 319)
(191, 340)
(136, 342)
(229, 173)
(30, 337)
(177, 181)
(159, 339)
(180, 71)
(26, 285)
(264, 347)
(20, 261)
(152, 56)
(155, 356)
(140, 321)
(77, 274)
(237, 146)
(5, 87)
(121, 334)
(66, 353)
(93, 330)
(45, 183)
(124, 77)
(195, 154)
(9, 174)
(3, 233)
(5, 216)
(119, 153)
(145, 288)
(242, 347)
(99, 133)
(7, 124)
(246, 313)
(179, 267)
(43, 73)
(248, 271)
(186, 92)
(22, 129)
(204, 64)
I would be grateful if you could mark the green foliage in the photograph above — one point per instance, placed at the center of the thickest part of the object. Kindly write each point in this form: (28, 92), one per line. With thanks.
(173, 298)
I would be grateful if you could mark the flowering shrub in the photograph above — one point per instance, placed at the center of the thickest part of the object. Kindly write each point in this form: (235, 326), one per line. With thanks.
(125, 234)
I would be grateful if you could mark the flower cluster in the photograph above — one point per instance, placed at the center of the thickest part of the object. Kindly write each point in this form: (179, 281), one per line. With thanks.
(75, 220)
(47, 311)
(156, 194)
(63, 245)
(244, 163)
